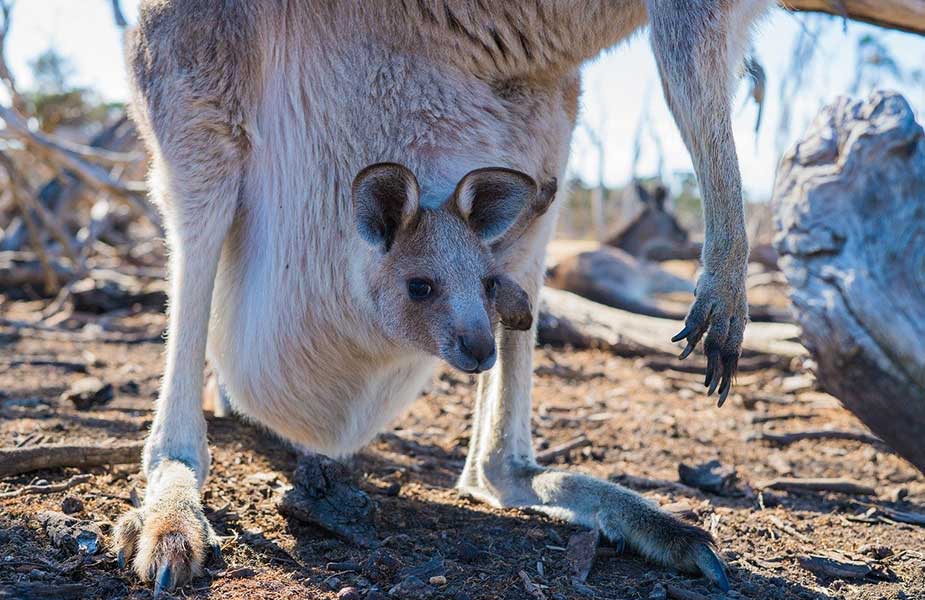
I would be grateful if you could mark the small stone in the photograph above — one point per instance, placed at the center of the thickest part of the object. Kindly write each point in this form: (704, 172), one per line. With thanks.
(468, 552)
(71, 505)
(381, 565)
(437, 580)
(712, 477)
(332, 583)
(411, 588)
(88, 392)
(348, 593)
(875, 551)
(130, 388)
(658, 592)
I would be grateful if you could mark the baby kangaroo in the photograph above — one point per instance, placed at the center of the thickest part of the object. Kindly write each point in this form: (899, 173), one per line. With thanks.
(435, 281)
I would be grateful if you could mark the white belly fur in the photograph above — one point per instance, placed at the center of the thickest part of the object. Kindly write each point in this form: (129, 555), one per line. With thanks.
(293, 334)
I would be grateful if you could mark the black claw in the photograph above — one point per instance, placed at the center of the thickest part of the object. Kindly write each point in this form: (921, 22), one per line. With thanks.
(711, 369)
(683, 333)
(619, 544)
(724, 390)
(163, 581)
(714, 381)
(216, 551)
(687, 351)
(120, 559)
(712, 567)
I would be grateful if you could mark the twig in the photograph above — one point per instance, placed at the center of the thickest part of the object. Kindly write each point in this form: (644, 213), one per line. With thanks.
(757, 419)
(911, 518)
(67, 365)
(822, 484)
(118, 15)
(644, 483)
(53, 151)
(49, 488)
(746, 364)
(530, 587)
(551, 454)
(14, 461)
(51, 278)
(107, 158)
(788, 529)
(20, 188)
(785, 439)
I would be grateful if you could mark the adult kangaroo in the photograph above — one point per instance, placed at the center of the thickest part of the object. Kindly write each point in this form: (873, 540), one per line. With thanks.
(260, 113)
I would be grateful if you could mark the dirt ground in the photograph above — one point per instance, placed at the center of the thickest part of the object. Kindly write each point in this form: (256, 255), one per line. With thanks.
(641, 423)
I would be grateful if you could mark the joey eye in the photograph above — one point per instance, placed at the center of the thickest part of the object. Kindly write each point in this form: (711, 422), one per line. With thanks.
(419, 289)
(491, 287)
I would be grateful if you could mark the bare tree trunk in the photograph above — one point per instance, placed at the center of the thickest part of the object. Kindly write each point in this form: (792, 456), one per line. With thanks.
(906, 15)
(851, 234)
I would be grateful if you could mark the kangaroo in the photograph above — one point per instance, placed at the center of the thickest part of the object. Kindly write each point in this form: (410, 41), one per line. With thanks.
(258, 114)
(655, 233)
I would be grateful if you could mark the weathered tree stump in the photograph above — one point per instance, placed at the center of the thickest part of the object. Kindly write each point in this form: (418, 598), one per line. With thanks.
(851, 234)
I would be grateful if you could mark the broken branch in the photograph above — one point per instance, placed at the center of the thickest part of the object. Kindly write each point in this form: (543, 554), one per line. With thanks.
(49, 488)
(554, 452)
(822, 484)
(785, 439)
(15, 461)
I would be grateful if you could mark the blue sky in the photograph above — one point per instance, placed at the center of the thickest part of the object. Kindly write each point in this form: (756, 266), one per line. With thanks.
(617, 86)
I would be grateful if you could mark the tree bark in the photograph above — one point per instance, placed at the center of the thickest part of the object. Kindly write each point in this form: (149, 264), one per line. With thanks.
(906, 15)
(851, 234)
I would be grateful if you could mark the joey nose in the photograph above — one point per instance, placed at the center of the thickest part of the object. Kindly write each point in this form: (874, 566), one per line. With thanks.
(479, 348)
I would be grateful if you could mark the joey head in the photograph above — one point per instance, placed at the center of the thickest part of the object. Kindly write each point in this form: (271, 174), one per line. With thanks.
(434, 279)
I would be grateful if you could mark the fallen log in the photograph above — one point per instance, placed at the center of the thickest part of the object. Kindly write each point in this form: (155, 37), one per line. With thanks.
(614, 278)
(851, 233)
(569, 319)
(15, 461)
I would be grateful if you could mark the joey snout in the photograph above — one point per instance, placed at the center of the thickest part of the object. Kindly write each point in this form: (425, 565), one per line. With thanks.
(474, 347)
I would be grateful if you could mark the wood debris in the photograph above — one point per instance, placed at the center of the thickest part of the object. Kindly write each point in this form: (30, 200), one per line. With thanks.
(531, 588)
(581, 552)
(710, 477)
(549, 455)
(48, 488)
(15, 461)
(838, 485)
(785, 439)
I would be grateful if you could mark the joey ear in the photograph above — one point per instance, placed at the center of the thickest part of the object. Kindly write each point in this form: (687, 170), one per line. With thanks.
(491, 199)
(385, 199)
